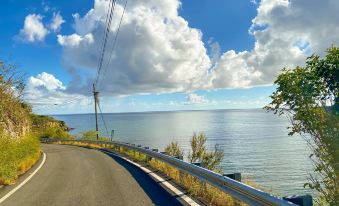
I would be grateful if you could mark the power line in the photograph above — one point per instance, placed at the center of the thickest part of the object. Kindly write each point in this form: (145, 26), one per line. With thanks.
(107, 31)
(114, 43)
(103, 120)
(105, 36)
(109, 18)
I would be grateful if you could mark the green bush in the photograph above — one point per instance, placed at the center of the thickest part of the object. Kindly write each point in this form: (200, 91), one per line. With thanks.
(48, 127)
(210, 159)
(91, 135)
(173, 149)
(309, 97)
(54, 133)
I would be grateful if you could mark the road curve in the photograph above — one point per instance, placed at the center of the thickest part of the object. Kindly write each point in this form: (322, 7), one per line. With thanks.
(79, 176)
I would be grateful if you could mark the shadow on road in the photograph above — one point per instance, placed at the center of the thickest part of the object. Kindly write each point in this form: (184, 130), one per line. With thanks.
(156, 193)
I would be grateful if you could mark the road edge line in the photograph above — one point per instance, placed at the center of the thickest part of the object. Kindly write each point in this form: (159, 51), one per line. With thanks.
(188, 200)
(25, 181)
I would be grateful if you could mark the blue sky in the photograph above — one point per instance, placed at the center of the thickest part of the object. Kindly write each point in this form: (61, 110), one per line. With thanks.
(174, 55)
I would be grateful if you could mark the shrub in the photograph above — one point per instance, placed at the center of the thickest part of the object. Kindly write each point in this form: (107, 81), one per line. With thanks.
(54, 133)
(48, 127)
(309, 96)
(17, 156)
(18, 149)
(92, 135)
(173, 149)
(209, 159)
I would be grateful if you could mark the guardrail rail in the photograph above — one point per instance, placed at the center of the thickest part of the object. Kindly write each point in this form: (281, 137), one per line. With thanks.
(232, 187)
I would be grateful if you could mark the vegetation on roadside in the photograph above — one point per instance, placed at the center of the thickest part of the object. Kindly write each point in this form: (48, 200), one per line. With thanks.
(91, 135)
(14, 113)
(48, 127)
(202, 191)
(20, 129)
(309, 96)
(18, 149)
(174, 150)
(17, 156)
(209, 159)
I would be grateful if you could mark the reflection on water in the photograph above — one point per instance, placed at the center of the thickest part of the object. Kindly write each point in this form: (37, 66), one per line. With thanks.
(255, 142)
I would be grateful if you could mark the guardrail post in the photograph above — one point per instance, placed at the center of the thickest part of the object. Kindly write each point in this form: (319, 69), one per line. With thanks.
(234, 176)
(148, 158)
(305, 200)
(199, 164)
(180, 157)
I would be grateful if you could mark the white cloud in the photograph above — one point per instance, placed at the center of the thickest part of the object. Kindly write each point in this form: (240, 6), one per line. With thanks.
(193, 98)
(48, 95)
(57, 21)
(45, 80)
(285, 32)
(33, 30)
(158, 52)
(254, 2)
(74, 40)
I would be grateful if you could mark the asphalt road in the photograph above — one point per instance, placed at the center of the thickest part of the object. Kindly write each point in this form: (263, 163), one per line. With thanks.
(79, 176)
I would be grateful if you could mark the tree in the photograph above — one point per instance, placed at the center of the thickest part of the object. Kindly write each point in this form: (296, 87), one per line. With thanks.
(309, 96)
(14, 112)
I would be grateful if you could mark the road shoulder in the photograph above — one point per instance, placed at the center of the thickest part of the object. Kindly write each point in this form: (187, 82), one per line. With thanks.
(22, 179)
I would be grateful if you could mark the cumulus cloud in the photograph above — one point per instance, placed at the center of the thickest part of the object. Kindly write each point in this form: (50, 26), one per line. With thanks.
(57, 21)
(285, 32)
(47, 94)
(33, 30)
(47, 81)
(74, 40)
(158, 52)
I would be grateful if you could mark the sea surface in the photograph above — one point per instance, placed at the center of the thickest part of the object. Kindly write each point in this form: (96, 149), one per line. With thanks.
(255, 143)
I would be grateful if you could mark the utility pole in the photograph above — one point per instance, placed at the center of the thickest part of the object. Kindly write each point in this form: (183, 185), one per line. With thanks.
(96, 101)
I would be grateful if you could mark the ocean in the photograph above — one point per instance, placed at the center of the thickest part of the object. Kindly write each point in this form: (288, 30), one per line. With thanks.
(255, 143)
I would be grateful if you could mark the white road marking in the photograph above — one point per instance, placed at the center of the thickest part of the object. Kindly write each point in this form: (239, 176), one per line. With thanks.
(175, 190)
(25, 181)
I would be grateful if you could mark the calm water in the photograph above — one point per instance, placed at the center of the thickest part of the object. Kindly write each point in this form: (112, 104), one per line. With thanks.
(255, 142)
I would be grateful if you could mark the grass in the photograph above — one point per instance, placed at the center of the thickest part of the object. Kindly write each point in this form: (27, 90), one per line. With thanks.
(16, 157)
(20, 129)
(206, 193)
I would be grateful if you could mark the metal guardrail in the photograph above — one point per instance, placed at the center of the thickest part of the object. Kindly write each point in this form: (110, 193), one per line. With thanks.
(234, 188)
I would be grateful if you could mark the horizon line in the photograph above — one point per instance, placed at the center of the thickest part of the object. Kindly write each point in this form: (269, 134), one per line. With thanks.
(154, 111)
